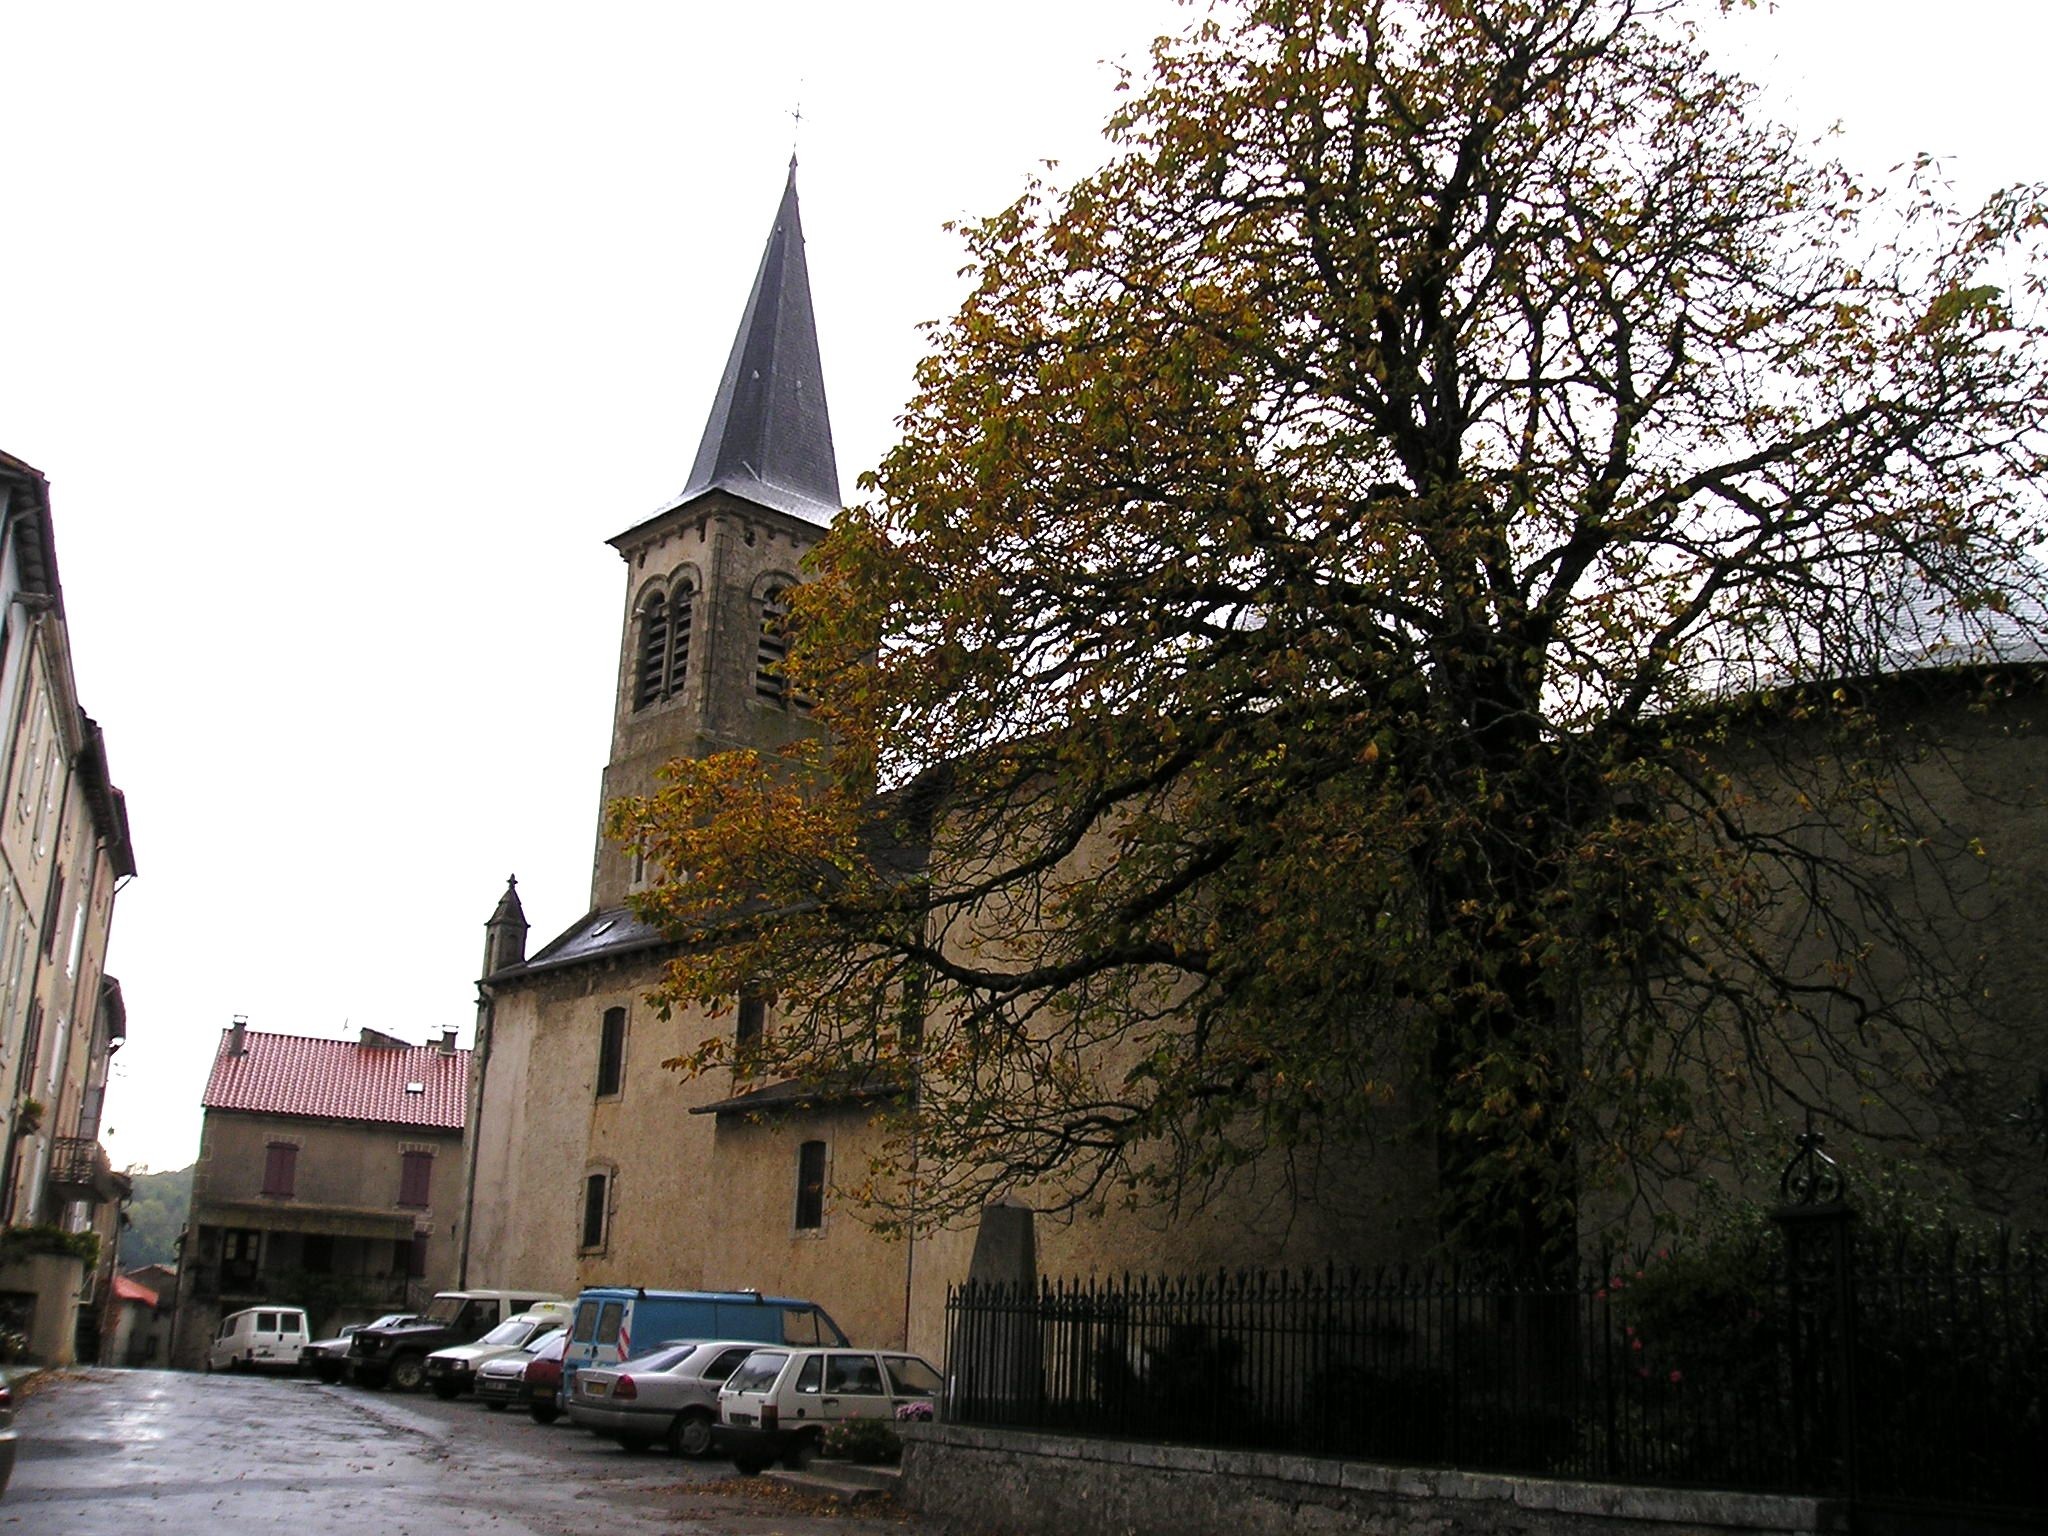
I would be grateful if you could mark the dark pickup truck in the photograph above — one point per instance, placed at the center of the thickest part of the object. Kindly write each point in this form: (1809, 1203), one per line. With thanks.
(397, 1356)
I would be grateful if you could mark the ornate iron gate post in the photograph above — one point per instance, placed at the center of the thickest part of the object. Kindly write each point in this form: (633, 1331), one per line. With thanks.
(1817, 1219)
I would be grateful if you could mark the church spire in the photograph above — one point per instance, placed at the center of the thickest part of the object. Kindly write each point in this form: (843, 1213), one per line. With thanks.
(769, 439)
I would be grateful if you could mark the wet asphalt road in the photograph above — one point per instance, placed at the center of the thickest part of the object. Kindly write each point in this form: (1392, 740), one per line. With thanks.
(114, 1453)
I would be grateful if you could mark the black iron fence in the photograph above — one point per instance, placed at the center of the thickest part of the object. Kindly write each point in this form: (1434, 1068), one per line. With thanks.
(1814, 1361)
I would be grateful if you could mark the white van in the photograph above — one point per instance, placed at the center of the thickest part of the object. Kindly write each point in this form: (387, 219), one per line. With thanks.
(259, 1337)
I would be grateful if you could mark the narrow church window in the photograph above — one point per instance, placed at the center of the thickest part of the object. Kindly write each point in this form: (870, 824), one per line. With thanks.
(650, 664)
(596, 1189)
(748, 1030)
(810, 1186)
(611, 1053)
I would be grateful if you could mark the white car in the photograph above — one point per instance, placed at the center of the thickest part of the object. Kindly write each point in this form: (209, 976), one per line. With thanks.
(780, 1401)
(259, 1338)
(452, 1371)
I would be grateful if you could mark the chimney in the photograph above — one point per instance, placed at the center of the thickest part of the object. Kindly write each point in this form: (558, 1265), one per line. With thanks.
(237, 1041)
(447, 1042)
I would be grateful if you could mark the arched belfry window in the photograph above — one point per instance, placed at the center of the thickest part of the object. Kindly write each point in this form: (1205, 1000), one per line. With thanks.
(773, 649)
(661, 661)
(771, 655)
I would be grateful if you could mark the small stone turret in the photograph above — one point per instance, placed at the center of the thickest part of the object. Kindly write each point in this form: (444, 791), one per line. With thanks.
(505, 933)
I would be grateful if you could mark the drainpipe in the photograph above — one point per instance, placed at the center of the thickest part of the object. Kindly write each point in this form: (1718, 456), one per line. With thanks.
(472, 1132)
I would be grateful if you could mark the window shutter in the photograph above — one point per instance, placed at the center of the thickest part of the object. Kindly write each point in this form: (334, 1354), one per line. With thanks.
(416, 1179)
(280, 1169)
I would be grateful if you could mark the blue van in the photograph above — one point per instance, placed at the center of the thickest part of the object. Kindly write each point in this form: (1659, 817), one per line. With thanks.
(615, 1322)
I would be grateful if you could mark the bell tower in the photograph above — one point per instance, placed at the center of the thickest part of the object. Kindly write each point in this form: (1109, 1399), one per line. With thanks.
(706, 577)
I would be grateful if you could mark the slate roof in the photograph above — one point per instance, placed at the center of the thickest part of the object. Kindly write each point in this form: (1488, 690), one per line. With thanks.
(607, 931)
(769, 437)
(792, 1093)
(340, 1080)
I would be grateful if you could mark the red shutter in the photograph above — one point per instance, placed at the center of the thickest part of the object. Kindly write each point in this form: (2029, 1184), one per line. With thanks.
(281, 1169)
(416, 1179)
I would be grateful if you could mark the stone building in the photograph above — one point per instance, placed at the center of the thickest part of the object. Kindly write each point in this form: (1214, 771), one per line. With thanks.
(594, 1165)
(329, 1177)
(64, 854)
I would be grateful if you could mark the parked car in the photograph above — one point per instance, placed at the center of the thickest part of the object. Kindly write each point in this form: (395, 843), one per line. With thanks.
(669, 1395)
(328, 1358)
(609, 1319)
(397, 1356)
(259, 1338)
(544, 1383)
(780, 1401)
(6, 1431)
(509, 1381)
(451, 1371)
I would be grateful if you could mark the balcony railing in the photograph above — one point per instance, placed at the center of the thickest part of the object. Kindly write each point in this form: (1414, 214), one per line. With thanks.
(79, 1170)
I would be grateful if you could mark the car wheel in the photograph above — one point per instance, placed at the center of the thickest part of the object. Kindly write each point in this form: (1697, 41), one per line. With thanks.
(544, 1413)
(407, 1372)
(446, 1390)
(801, 1452)
(690, 1435)
(750, 1465)
(495, 1407)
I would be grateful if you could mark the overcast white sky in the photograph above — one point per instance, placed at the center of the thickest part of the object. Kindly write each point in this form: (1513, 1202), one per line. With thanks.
(347, 334)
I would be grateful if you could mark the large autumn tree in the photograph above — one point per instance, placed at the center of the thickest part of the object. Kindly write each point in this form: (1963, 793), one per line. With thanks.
(1369, 624)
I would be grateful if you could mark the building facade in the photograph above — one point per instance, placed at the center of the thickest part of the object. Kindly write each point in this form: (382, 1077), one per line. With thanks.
(592, 1164)
(65, 851)
(329, 1178)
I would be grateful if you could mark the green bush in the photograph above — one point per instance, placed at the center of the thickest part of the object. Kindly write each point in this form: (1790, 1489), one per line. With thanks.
(864, 1440)
(26, 1242)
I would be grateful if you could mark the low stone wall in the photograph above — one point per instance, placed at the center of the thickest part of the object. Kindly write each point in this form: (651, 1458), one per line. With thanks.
(989, 1482)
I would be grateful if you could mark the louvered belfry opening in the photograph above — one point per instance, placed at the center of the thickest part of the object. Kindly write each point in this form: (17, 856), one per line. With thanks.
(769, 680)
(663, 659)
(651, 664)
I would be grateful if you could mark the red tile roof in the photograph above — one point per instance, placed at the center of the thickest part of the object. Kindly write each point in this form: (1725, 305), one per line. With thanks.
(133, 1290)
(340, 1080)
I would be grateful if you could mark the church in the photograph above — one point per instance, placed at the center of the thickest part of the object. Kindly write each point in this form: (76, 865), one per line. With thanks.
(590, 1163)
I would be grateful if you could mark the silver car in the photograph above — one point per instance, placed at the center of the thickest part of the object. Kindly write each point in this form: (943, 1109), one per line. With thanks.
(669, 1395)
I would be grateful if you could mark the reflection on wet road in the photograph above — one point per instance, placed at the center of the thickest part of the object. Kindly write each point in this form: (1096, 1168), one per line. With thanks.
(115, 1453)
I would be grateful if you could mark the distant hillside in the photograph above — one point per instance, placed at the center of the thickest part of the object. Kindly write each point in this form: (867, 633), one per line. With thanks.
(158, 1216)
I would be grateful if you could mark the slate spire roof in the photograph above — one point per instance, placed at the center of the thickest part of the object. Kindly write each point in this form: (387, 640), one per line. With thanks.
(769, 439)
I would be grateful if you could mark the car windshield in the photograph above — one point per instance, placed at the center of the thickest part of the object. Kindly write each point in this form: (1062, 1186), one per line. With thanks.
(444, 1309)
(515, 1331)
(758, 1371)
(549, 1348)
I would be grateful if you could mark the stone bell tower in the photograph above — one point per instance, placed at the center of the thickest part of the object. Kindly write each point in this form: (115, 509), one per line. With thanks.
(706, 577)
